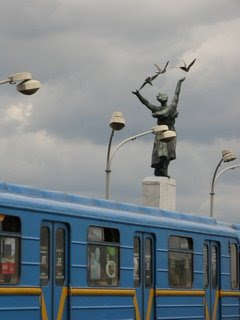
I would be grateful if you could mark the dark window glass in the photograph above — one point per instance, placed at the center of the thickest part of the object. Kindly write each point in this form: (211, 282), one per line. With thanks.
(60, 257)
(214, 267)
(148, 262)
(136, 262)
(205, 266)
(234, 265)
(180, 262)
(10, 224)
(103, 256)
(44, 256)
(9, 249)
(103, 234)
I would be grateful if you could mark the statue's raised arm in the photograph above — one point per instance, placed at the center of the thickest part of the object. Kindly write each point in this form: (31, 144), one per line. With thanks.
(177, 93)
(144, 101)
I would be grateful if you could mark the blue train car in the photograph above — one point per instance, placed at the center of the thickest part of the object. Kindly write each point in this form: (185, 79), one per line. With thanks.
(64, 257)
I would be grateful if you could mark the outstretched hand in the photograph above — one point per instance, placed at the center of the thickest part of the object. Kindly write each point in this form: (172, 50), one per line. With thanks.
(181, 80)
(135, 92)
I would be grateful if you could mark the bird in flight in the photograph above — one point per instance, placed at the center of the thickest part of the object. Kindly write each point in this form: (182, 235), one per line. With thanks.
(161, 70)
(149, 80)
(187, 68)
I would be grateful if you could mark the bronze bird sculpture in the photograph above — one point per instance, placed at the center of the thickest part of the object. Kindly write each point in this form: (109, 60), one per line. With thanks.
(161, 70)
(149, 80)
(187, 68)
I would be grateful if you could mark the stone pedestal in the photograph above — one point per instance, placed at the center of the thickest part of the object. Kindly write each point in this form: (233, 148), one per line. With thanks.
(159, 192)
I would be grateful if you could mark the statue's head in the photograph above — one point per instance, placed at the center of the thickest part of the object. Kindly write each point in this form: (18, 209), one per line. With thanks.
(162, 97)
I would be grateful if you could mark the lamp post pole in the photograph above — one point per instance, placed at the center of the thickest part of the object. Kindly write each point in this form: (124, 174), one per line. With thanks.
(109, 159)
(161, 130)
(117, 122)
(212, 193)
(228, 168)
(108, 171)
(126, 140)
(227, 156)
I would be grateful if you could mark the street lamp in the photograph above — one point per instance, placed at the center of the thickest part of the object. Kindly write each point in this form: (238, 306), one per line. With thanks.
(227, 156)
(26, 84)
(161, 131)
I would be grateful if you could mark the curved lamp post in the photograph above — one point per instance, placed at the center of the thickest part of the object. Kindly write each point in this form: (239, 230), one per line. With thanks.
(163, 134)
(117, 123)
(228, 168)
(26, 84)
(227, 156)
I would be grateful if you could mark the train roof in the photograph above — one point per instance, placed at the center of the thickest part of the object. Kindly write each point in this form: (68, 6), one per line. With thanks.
(19, 196)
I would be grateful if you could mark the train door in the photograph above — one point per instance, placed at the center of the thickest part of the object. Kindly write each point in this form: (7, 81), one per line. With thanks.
(144, 276)
(54, 270)
(211, 279)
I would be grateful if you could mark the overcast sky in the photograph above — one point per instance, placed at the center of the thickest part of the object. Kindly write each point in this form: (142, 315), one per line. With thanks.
(89, 56)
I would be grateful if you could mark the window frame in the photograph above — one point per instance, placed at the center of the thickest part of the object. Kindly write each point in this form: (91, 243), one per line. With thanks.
(148, 261)
(45, 282)
(137, 281)
(231, 244)
(206, 266)
(101, 244)
(16, 236)
(214, 262)
(179, 250)
(60, 253)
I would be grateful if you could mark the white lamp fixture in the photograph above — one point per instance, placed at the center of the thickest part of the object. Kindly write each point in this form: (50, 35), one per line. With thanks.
(228, 155)
(167, 136)
(26, 86)
(163, 133)
(117, 122)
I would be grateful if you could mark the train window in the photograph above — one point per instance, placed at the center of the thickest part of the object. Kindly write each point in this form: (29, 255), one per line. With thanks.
(214, 266)
(180, 262)
(148, 262)
(136, 262)
(205, 265)
(234, 265)
(10, 231)
(60, 257)
(44, 256)
(103, 256)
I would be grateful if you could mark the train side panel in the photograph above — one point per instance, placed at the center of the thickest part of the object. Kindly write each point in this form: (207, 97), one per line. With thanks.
(66, 257)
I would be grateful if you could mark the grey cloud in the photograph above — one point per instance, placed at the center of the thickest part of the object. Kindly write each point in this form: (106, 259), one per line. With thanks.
(90, 55)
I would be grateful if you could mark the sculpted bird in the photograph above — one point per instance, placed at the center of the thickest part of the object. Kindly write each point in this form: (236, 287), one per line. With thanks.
(187, 68)
(149, 80)
(161, 70)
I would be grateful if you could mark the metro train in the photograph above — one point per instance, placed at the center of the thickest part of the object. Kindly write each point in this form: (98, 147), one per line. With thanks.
(63, 256)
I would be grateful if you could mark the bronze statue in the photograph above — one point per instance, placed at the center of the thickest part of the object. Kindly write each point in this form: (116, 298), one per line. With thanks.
(163, 152)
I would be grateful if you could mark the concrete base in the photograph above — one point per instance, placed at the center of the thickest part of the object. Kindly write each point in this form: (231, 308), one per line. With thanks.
(159, 192)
